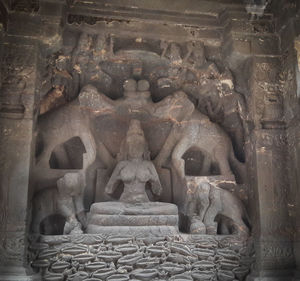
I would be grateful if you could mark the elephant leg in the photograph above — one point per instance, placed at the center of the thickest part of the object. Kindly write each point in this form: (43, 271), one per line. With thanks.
(66, 208)
(203, 197)
(221, 158)
(90, 147)
(223, 226)
(88, 158)
(166, 150)
(213, 210)
(177, 160)
(240, 227)
(36, 222)
(105, 156)
(79, 209)
(205, 169)
(209, 220)
(196, 225)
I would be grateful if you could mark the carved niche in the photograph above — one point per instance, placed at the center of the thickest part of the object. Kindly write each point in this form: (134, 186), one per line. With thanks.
(133, 137)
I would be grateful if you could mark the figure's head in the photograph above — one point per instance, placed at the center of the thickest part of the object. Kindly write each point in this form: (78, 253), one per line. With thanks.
(134, 146)
(135, 140)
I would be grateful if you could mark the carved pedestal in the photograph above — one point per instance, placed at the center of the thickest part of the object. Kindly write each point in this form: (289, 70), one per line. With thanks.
(140, 220)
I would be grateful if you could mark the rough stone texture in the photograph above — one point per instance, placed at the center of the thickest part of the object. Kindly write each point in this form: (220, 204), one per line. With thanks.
(148, 258)
(215, 87)
(137, 219)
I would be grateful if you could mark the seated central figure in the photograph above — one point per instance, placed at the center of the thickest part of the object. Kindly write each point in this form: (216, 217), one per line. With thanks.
(133, 213)
(134, 168)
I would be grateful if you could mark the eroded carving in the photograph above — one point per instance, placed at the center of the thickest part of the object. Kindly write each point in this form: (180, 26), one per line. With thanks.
(126, 257)
(204, 202)
(66, 200)
(133, 212)
(216, 146)
(180, 93)
(135, 169)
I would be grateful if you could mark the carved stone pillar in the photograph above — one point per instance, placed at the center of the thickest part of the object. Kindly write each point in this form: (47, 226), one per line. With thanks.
(16, 127)
(274, 252)
(271, 223)
(27, 33)
(296, 168)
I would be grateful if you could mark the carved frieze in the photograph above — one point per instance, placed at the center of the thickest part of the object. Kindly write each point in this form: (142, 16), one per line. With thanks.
(275, 139)
(18, 81)
(276, 253)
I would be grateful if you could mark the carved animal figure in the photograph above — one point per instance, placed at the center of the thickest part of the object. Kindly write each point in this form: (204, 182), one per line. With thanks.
(65, 200)
(57, 127)
(208, 137)
(204, 202)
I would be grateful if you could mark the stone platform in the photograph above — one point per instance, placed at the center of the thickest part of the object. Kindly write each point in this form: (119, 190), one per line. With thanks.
(143, 219)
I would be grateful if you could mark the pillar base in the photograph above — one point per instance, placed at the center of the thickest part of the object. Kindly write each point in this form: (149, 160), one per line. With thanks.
(16, 273)
(271, 275)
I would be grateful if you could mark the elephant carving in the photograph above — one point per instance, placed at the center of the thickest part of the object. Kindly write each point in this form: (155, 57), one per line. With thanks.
(204, 203)
(209, 138)
(59, 126)
(66, 200)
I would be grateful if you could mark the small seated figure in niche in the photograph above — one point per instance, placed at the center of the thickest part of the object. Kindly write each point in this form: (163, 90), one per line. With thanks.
(135, 168)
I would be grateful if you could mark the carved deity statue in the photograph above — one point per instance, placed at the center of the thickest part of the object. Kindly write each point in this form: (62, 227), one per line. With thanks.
(135, 168)
(134, 213)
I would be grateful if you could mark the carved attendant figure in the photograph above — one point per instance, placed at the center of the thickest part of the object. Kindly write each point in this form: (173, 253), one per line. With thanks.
(135, 168)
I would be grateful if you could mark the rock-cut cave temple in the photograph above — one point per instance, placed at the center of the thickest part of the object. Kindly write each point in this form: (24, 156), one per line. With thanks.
(149, 140)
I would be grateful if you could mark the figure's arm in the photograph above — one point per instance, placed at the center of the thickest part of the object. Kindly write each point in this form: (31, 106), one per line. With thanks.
(114, 179)
(154, 180)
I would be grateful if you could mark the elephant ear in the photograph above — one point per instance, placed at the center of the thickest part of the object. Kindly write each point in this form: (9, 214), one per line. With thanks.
(94, 101)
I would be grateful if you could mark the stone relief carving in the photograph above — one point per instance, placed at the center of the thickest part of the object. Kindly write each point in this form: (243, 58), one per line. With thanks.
(216, 145)
(204, 202)
(125, 258)
(135, 169)
(17, 70)
(143, 118)
(138, 130)
(66, 200)
(213, 90)
(133, 210)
